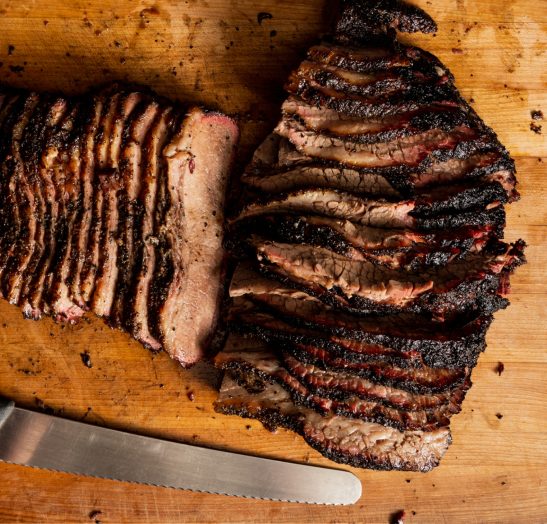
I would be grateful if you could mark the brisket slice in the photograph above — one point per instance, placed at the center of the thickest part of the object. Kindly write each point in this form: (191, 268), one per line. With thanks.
(331, 384)
(11, 281)
(450, 345)
(133, 164)
(475, 160)
(347, 441)
(185, 304)
(374, 59)
(102, 176)
(32, 303)
(377, 84)
(408, 150)
(380, 212)
(299, 116)
(256, 370)
(470, 284)
(395, 248)
(136, 317)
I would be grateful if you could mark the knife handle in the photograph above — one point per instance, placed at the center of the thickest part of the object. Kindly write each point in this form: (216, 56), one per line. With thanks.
(6, 407)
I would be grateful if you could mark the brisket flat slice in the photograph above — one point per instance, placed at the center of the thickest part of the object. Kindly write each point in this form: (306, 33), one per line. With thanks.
(477, 160)
(137, 314)
(395, 248)
(380, 212)
(198, 160)
(347, 441)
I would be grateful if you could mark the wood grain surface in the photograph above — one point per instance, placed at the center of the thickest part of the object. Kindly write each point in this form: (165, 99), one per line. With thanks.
(216, 52)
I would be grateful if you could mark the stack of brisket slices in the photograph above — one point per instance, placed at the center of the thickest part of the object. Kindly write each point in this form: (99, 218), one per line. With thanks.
(112, 202)
(369, 253)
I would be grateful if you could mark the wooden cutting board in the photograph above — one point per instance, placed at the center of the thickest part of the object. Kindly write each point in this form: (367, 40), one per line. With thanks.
(218, 53)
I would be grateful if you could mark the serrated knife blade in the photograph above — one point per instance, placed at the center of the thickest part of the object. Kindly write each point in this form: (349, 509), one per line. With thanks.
(49, 442)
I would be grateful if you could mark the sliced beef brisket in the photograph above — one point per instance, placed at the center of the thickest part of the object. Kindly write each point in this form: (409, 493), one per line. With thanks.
(348, 441)
(114, 203)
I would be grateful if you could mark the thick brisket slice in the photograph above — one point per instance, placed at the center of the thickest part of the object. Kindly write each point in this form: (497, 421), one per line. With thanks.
(457, 287)
(476, 160)
(133, 163)
(380, 212)
(137, 318)
(348, 441)
(198, 161)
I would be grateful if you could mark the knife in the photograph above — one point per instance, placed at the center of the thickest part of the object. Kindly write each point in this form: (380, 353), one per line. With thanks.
(49, 442)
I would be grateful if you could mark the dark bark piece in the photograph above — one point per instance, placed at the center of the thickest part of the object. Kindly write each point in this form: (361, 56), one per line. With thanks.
(348, 441)
(361, 18)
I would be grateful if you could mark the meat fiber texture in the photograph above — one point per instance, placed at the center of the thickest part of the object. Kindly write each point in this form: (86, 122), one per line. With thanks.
(367, 235)
(113, 203)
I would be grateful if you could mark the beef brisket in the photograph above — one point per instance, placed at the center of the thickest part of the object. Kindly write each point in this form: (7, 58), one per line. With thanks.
(114, 203)
(367, 235)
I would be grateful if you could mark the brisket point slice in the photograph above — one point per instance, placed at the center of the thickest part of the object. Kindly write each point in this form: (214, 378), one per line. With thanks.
(347, 441)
